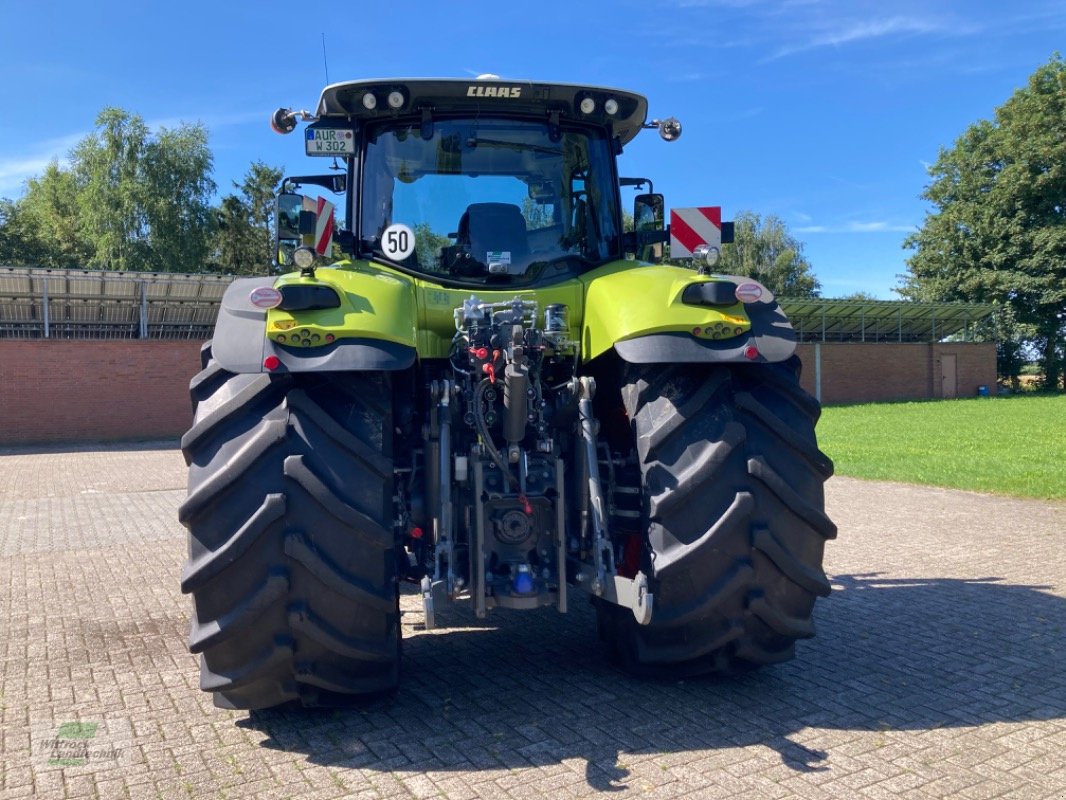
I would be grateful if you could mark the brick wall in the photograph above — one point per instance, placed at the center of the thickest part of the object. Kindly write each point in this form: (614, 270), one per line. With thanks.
(857, 373)
(109, 390)
(114, 390)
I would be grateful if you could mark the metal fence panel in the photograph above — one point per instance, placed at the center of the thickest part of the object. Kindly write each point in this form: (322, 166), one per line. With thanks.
(83, 304)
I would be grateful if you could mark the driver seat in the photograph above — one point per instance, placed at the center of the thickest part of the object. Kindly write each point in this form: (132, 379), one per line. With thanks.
(496, 228)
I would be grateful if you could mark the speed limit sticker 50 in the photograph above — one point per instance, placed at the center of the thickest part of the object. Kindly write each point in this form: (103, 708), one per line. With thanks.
(398, 242)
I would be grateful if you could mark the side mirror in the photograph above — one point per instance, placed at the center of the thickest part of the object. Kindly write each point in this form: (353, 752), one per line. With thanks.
(542, 191)
(649, 226)
(289, 216)
(293, 224)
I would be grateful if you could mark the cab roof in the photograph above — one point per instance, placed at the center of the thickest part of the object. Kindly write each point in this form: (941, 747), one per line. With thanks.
(484, 96)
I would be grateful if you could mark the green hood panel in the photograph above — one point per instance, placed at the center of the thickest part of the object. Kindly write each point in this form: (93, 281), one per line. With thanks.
(627, 299)
(375, 303)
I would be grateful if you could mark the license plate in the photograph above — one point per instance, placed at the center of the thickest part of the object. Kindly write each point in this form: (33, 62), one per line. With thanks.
(329, 142)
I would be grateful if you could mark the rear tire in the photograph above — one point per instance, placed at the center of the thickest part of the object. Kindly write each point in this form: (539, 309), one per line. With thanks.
(292, 558)
(733, 507)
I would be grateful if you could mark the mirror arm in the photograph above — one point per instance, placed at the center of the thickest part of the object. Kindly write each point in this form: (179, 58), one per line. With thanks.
(336, 183)
(652, 237)
(637, 183)
(346, 241)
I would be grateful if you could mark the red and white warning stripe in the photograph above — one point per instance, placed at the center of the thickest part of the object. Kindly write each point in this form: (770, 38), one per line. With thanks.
(324, 228)
(691, 227)
(323, 223)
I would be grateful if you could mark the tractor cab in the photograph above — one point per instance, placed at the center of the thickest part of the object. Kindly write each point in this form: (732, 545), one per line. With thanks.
(482, 182)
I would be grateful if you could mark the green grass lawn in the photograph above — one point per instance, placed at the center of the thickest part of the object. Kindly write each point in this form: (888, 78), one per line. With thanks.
(1005, 445)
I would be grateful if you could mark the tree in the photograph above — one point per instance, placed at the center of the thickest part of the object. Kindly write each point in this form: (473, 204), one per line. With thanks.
(244, 239)
(128, 201)
(861, 297)
(537, 215)
(260, 187)
(428, 246)
(235, 245)
(997, 233)
(106, 168)
(1012, 343)
(176, 187)
(46, 223)
(143, 201)
(20, 243)
(12, 234)
(764, 249)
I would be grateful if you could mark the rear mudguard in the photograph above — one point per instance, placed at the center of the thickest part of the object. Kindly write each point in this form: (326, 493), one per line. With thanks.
(639, 311)
(376, 336)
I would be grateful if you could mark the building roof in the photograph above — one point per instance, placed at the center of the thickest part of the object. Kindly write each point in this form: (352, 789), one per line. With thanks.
(821, 320)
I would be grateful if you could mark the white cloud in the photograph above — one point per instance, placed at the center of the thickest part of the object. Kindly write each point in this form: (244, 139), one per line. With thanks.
(877, 226)
(717, 3)
(849, 32)
(687, 77)
(742, 114)
(875, 29)
(16, 169)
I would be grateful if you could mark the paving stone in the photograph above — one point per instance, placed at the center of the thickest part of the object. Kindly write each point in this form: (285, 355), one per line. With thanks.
(936, 672)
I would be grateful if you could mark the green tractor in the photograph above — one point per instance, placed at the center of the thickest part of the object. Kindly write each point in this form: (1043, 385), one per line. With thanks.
(482, 384)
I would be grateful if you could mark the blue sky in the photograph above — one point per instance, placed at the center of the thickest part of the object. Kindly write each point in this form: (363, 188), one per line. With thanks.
(822, 112)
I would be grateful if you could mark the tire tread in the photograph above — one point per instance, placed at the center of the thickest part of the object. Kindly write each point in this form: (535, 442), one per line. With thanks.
(293, 586)
(734, 537)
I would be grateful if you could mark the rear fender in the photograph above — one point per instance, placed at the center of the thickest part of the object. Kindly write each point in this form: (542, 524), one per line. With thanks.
(240, 342)
(640, 312)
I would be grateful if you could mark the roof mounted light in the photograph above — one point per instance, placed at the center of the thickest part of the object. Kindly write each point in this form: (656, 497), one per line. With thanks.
(395, 99)
(370, 101)
(611, 106)
(587, 105)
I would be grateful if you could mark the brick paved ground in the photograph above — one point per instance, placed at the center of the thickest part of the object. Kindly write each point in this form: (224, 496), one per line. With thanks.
(939, 670)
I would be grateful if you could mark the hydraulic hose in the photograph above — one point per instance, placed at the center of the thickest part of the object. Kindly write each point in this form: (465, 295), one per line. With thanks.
(486, 435)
